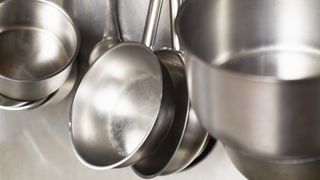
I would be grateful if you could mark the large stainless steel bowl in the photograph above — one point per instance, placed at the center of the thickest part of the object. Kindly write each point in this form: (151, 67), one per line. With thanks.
(254, 74)
(38, 43)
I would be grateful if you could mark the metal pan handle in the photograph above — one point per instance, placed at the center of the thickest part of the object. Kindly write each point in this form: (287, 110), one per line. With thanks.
(152, 22)
(111, 28)
(174, 7)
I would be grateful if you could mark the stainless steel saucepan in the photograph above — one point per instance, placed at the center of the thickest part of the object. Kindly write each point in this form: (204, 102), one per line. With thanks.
(186, 138)
(56, 97)
(38, 44)
(124, 105)
(254, 80)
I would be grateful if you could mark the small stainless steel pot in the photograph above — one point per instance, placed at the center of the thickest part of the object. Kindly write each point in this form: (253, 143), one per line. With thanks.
(38, 43)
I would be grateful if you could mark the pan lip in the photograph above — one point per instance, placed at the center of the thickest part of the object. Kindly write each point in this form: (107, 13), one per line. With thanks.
(204, 139)
(227, 72)
(176, 147)
(164, 171)
(27, 105)
(183, 127)
(151, 128)
(72, 57)
(73, 76)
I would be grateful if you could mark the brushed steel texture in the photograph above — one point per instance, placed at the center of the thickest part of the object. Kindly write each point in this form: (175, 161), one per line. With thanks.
(38, 43)
(35, 144)
(123, 106)
(253, 76)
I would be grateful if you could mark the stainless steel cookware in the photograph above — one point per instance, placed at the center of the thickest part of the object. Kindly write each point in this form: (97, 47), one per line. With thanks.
(123, 107)
(184, 143)
(186, 138)
(56, 97)
(38, 43)
(65, 90)
(254, 78)
(16, 105)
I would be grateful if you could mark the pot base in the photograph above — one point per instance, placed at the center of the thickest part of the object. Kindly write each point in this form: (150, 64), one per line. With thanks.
(260, 168)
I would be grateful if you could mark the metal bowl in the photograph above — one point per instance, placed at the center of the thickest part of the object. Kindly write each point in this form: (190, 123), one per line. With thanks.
(38, 43)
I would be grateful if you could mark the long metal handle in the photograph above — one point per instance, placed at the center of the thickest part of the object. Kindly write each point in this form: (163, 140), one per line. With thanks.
(152, 22)
(111, 28)
(174, 7)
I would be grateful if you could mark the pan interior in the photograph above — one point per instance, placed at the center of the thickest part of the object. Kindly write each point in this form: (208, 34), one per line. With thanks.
(116, 105)
(37, 40)
(30, 54)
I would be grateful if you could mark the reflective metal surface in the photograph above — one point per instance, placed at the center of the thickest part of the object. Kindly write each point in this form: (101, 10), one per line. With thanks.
(266, 168)
(66, 88)
(114, 118)
(152, 23)
(36, 52)
(191, 144)
(35, 145)
(124, 104)
(186, 138)
(254, 78)
(111, 36)
(16, 105)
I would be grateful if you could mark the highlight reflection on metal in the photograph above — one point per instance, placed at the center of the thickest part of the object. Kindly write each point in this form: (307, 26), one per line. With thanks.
(15, 105)
(186, 137)
(35, 145)
(37, 47)
(123, 105)
(254, 81)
